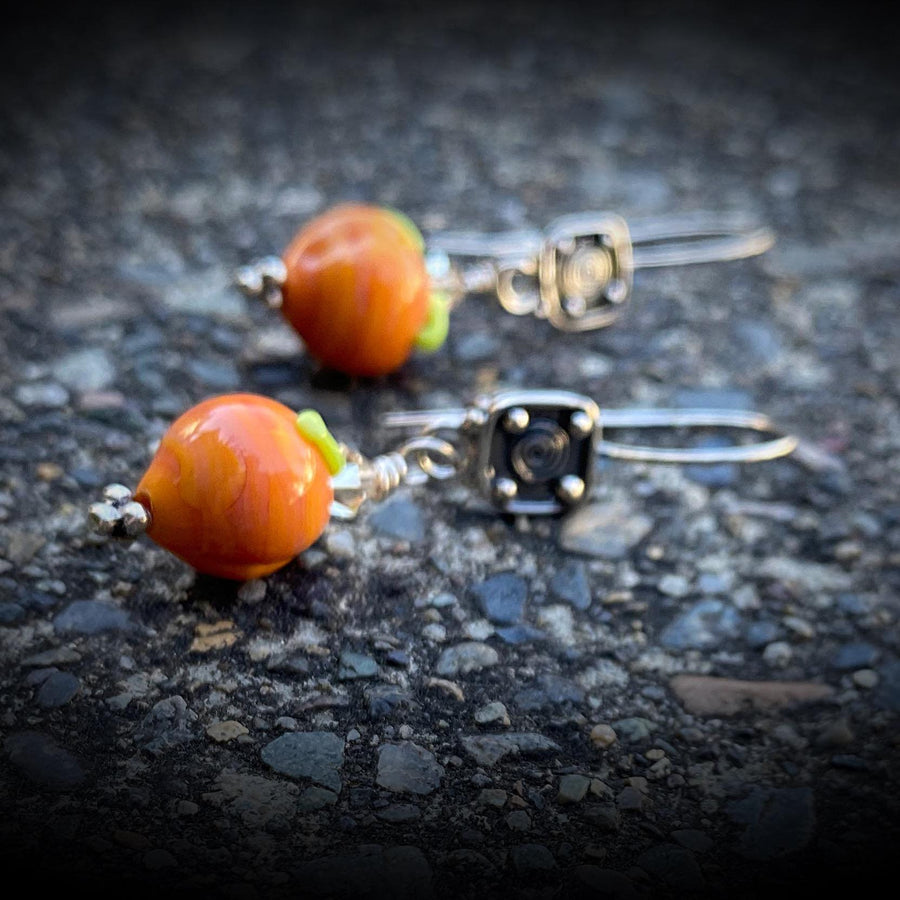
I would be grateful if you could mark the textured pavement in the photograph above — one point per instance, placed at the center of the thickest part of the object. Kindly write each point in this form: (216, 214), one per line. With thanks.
(690, 687)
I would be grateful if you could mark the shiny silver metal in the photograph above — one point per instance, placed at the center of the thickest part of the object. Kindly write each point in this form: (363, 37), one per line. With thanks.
(530, 451)
(364, 480)
(263, 280)
(578, 272)
(118, 515)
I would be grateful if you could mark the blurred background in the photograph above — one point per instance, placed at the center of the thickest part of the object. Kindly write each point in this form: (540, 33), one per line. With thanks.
(148, 151)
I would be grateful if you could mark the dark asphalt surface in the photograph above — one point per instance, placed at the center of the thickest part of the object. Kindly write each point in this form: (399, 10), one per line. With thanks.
(321, 733)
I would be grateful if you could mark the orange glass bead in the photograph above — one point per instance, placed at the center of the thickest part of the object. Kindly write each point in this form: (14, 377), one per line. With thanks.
(235, 489)
(357, 290)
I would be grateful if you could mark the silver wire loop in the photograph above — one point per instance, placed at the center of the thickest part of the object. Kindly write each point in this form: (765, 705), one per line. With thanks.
(578, 272)
(437, 458)
(364, 480)
(760, 451)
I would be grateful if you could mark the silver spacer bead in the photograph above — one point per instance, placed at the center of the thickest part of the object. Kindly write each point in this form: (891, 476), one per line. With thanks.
(570, 489)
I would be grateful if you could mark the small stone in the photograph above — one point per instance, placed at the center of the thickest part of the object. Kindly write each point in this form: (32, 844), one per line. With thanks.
(531, 858)
(47, 395)
(11, 613)
(603, 816)
(630, 799)
(399, 518)
(397, 658)
(315, 797)
(252, 592)
(865, 678)
(478, 629)
(222, 732)
(572, 788)
(316, 755)
(408, 768)
(399, 813)
(706, 623)
(570, 584)
(92, 617)
(519, 820)
(186, 808)
(501, 597)
(800, 627)
(492, 797)
(603, 736)
(707, 695)
(849, 761)
(549, 691)
(601, 789)
(57, 690)
(340, 544)
(855, 655)
(38, 757)
(169, 723)
(356, 665)
(211, 636)
(759, 634)
(520, 634)
(469, 656)
(256, 801)
(448, 687)
(492, 712)
(634, 729)
(604, 530)
(778, 654)
(836, 734)
(887, 691)
(57, 656)
(88, 369)
(558, 620)
(22, 546)
(673, 585)
(435, 632)
(489, 749)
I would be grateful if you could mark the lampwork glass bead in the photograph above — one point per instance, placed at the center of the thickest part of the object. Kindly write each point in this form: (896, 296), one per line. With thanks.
(237, 488)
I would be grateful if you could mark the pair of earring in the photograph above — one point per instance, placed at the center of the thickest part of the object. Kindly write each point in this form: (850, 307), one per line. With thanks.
(240, 484)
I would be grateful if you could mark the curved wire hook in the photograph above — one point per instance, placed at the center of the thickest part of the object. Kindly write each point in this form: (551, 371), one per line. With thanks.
(760, 451)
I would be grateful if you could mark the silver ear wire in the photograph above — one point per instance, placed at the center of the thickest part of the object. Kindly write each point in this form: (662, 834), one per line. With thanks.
(530, 451)
(578, 272)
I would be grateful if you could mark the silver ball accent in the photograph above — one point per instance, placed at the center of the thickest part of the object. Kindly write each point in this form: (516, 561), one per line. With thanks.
(104, 518)
(571, 488)
(505, 488)
(516, 420)
(135, 518)
(117, 494)
(581, 423)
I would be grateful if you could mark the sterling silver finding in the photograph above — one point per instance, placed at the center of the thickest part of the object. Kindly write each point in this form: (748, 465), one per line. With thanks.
(532, 451)
(578, 272)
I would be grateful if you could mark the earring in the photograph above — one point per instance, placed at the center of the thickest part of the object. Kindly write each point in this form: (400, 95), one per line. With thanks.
(363, 289)
(240, 484)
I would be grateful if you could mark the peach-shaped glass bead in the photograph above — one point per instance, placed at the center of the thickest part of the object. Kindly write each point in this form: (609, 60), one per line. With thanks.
(357, 290)
(234, 489)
